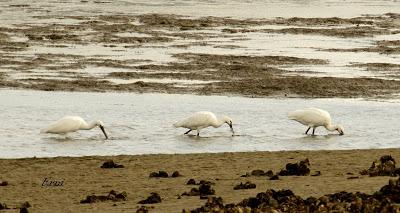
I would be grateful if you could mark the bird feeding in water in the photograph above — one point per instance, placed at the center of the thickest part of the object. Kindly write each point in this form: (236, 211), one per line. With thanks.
(201, 120)
(313, 118)
(72, 124)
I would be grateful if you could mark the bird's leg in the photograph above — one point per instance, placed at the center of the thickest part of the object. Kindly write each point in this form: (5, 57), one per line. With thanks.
(188, 132)
(313, 130)
(198, 132)
(308, 129)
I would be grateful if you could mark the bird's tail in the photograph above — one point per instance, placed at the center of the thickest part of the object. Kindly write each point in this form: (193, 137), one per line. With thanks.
(176, 125)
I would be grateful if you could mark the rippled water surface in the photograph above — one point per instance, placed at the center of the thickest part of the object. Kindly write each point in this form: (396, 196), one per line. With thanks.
(142, 123)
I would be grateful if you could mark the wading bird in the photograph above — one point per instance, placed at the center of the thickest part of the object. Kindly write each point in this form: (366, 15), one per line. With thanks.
(313, 118)
(72, 124)
(201, 120)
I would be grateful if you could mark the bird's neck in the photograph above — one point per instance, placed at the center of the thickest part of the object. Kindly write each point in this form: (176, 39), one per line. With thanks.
(86, 126)
(218, 123)
(330, 127)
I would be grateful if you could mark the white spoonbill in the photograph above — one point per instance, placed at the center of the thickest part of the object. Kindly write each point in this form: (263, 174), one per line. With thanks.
(313, 118)
(201, 120)
(72, 124)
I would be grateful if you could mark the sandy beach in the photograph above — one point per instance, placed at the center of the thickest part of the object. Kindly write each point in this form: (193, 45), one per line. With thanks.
(82, 176)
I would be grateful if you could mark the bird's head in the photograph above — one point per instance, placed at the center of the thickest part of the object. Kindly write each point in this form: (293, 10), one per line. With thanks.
(228, 121)
(340, 129)
(101, 125)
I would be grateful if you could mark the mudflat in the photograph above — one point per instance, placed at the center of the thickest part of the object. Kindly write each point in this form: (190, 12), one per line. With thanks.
(159, 53)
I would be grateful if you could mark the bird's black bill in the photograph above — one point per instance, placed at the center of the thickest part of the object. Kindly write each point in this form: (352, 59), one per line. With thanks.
(104, 132)
(341, 133)
(233, 132)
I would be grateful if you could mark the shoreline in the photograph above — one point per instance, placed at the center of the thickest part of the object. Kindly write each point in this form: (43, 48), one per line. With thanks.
(149, 155)
(82, 176)
(389, 96)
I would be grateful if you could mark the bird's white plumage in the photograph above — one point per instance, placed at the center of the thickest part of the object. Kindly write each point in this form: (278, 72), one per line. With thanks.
(65, 125)
(311, 117)
(203, 119)
(198, 120)
(314, 117)
(71, 124)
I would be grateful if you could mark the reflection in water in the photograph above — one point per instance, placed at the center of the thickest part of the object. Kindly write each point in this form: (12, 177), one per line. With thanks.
(142, 124)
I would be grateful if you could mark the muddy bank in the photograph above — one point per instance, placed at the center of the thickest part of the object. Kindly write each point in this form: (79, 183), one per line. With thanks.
(297, 86)
(158, 53)
(382, 47)
(165, 28)
(386, 24)
(379, 67)
(83, 179)
(258, 76)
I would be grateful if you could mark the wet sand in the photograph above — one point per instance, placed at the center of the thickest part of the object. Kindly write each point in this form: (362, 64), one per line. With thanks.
(83, 176)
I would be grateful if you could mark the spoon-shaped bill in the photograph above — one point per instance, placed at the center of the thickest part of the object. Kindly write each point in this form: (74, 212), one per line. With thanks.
(233, 132)
(104, 132)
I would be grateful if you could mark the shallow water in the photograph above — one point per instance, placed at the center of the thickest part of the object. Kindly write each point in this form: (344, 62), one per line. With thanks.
(142, 124)
(198, 8)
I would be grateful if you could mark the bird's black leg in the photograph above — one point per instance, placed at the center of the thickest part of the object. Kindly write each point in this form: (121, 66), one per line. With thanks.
(313, 130)
(198, 133)
(308, 129)
(188, 132)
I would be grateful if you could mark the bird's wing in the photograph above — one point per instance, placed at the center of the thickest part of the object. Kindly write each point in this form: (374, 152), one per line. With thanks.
(64, 125)
(310, 116)
(198, 119)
